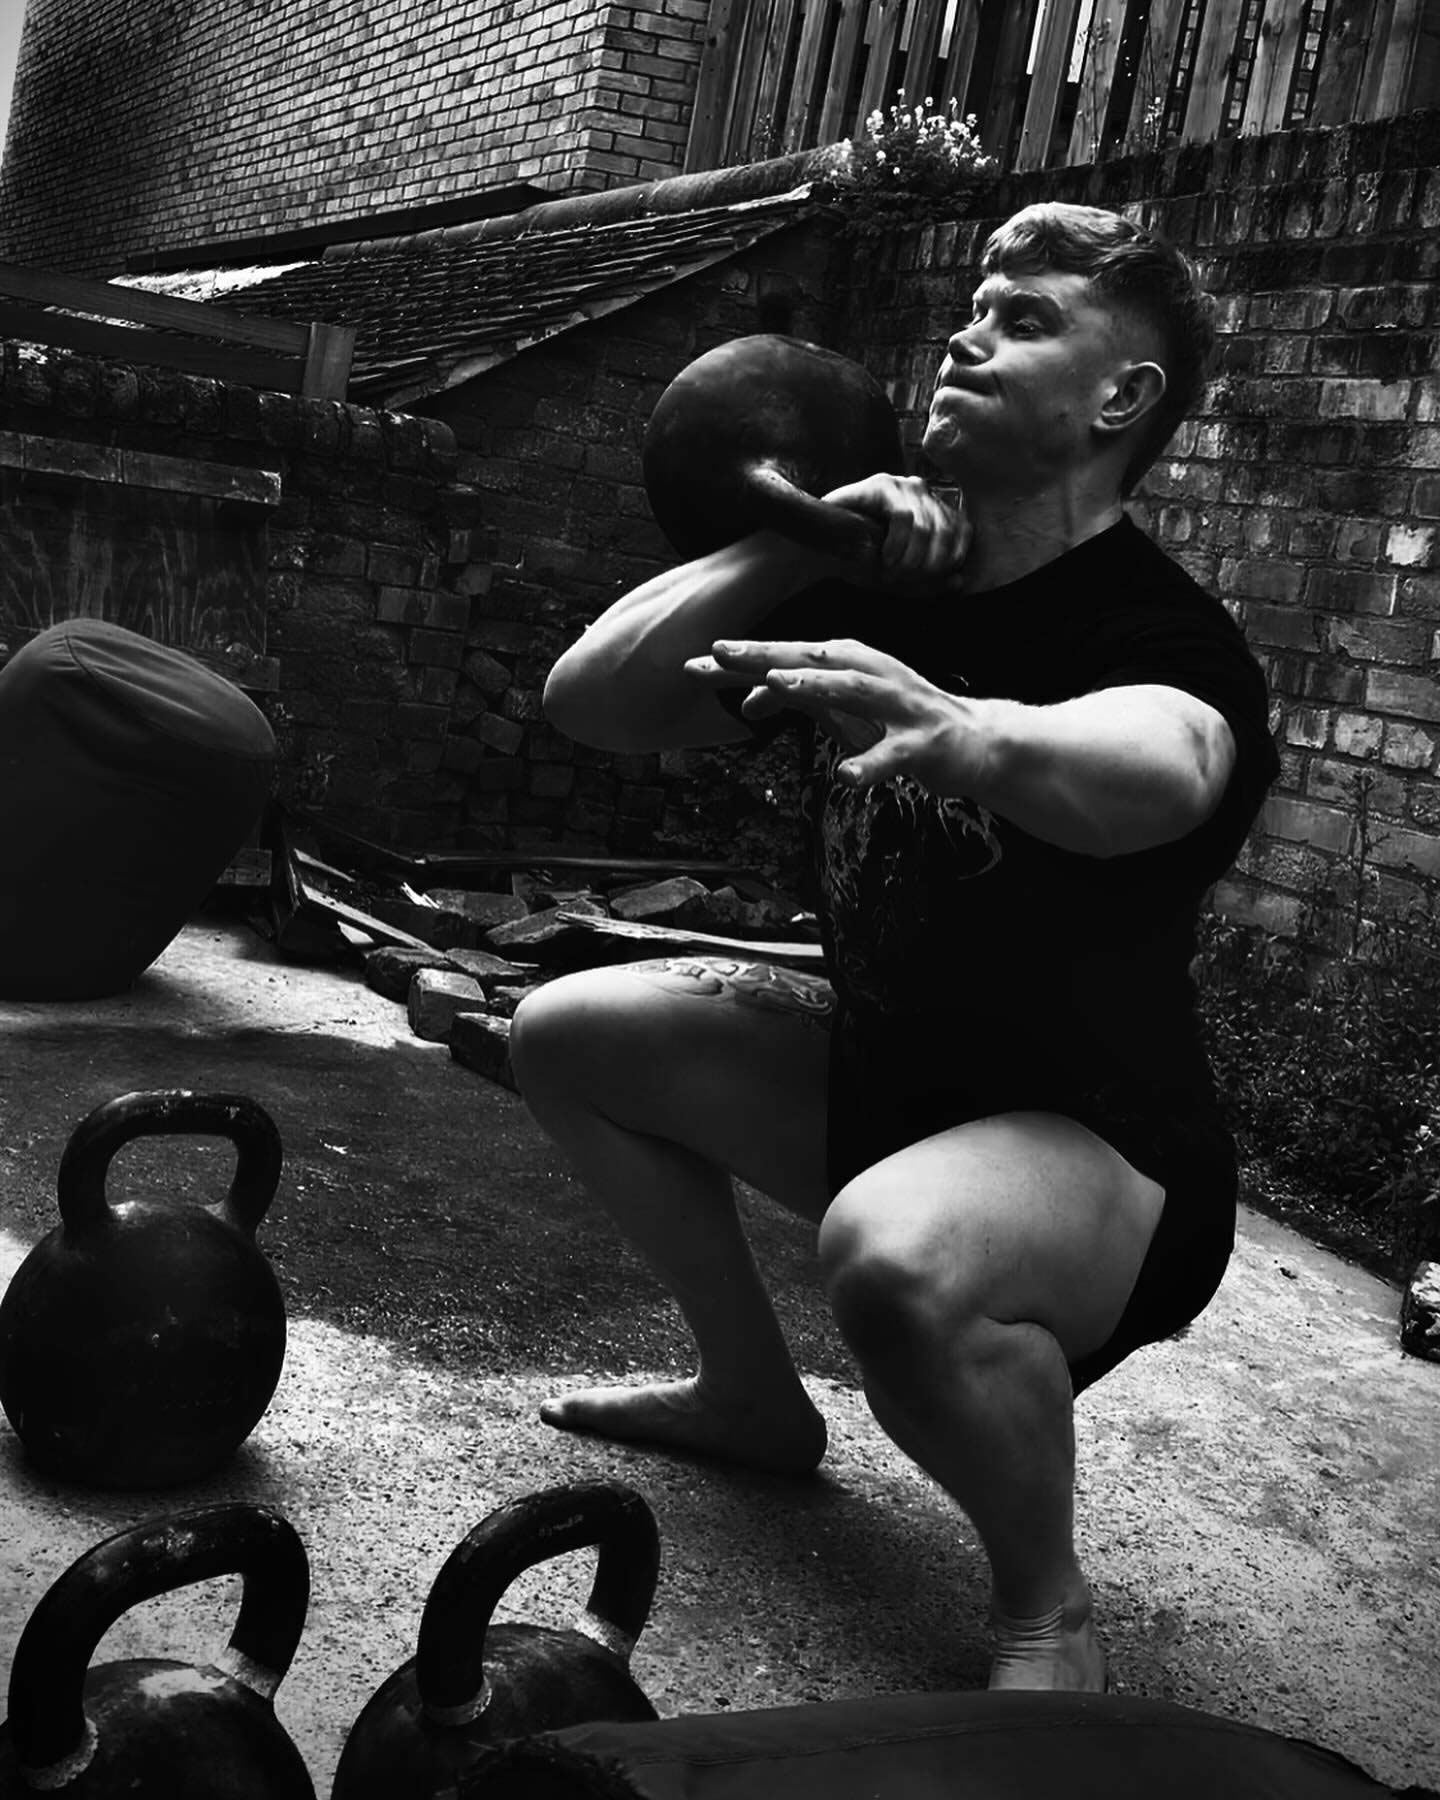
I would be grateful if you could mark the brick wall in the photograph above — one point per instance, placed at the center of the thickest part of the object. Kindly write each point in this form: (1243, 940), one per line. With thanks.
(144, 125)
(365, 628)
(1306, 492)
(552, 440)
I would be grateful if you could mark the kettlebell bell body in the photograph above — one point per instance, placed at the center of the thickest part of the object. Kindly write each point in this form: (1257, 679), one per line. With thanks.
(472, 1683)
(141, 1342)
(749, 435)
(151, 1726)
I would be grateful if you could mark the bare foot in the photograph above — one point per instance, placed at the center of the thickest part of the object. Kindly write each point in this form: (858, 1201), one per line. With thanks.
(784, 1440)
(1058, 1652)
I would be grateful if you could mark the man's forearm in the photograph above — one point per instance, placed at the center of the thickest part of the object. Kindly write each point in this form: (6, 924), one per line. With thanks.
(1145, 775)
(630, 664)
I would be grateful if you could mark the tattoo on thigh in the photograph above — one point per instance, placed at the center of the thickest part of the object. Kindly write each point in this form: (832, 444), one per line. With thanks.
(766, 985)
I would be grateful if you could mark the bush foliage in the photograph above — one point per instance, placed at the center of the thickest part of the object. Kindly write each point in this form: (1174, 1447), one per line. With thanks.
(1330, 1066)
(913, 165)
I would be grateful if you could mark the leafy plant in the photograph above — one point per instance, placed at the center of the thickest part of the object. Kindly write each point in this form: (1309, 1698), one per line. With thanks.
(913, 165)
(1329, 1064)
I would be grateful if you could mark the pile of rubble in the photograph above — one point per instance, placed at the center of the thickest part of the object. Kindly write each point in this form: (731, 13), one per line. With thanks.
(465, 993)
(461, 958)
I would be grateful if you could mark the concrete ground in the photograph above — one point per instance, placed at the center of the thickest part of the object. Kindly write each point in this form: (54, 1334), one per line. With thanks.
(1258, 1503)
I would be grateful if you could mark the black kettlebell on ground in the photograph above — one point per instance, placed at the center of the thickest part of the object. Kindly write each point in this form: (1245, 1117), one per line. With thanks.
(472, 1683)
(150, 1727)
(141, 1341)
(749, 435)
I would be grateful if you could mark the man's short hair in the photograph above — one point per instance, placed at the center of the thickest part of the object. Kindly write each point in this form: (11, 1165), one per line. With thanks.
(1133, 269)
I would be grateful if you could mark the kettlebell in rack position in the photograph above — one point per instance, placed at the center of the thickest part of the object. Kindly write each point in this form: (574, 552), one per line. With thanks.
(748, 437)
(472, 1682)
(141, 1340)
(150, 1727)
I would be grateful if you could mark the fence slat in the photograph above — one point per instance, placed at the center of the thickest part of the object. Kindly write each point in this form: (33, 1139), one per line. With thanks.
(1008, 78)
(771, 128)
(833, 119)
(222, 362)
(1096, 77)
(802, 88)
(327, 362)
(711, 111)
(1342, 67)
(1275, 51)
(961, 60)
(108, 301)
(1057, 34)
(1152, 78)
(922, 44)
(1388, 75)
(1206, 101)
(753, 50)
(879, 89)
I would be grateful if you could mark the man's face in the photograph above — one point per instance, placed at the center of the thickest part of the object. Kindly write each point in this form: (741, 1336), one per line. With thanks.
(1024, 381)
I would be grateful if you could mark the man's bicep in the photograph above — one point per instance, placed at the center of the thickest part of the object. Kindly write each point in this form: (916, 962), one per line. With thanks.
(1168, 726)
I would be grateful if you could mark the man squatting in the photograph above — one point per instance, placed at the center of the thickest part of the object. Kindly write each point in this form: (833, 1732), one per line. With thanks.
(1038, 746)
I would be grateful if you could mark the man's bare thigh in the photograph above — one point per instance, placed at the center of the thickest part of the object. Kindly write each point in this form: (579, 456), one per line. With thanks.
(723, 1055)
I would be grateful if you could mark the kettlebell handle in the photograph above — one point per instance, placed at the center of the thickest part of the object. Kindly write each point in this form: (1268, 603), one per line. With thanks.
(450, 1653)
(47, 1716)
(782, 506)
(171, 1111)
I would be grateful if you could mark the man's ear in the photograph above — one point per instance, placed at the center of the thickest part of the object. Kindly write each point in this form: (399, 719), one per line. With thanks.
(1138, 387)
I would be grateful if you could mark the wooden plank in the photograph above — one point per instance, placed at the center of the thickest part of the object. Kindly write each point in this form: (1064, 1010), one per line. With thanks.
(136, 468)
(328, 355)
(1387, 75)
(1275, 51)
(880, 86)
(222, 362)
(834, 122)
(1052, 57)
(1152, 78)
(1342, 61)
(805, 955)
(920, 40)
(1096, 76)
(807, 74)
(711, 111)
(59, 456)
(960, 52)
(1206, 102)
(751, 53)
(776, 56)
(106, 300)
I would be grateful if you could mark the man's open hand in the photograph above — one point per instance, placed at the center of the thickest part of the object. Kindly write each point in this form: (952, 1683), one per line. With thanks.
(890, 719)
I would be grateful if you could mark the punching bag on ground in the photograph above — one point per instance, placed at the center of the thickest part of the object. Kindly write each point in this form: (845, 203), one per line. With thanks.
(964, 1746)
(130, 774)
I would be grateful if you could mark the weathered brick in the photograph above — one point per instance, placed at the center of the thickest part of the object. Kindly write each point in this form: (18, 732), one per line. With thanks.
(1357, 734)
(1371, 640)
(1407, 746)
(1307, 822)
(1394, 847)
(1412, 546)
(1411, 696)
(505, 735)
(1346, 590)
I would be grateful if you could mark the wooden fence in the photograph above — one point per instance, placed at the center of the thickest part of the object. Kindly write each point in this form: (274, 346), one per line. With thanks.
(199, 339)
(1052, 82)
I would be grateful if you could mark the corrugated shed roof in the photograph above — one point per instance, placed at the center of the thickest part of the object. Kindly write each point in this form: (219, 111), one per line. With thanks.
(436, 310)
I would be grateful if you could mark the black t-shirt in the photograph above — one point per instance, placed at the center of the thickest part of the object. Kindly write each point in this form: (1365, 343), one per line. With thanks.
(968, 953)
